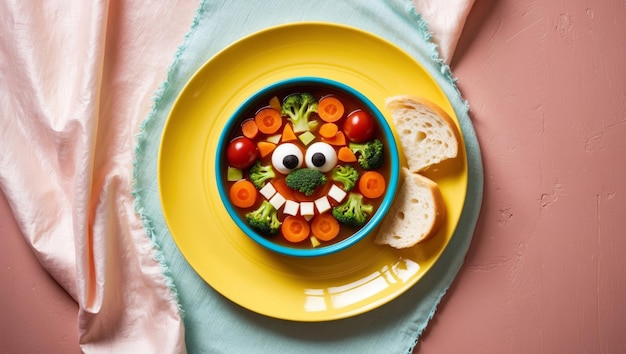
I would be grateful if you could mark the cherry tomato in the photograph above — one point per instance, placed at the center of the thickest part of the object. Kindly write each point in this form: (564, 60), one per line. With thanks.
(241, 152)
(359, 126)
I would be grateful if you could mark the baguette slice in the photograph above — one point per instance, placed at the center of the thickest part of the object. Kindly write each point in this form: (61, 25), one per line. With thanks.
(416, 214)
(427, 133)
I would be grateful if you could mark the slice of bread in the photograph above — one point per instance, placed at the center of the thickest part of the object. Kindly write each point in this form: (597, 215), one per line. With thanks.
(417, 212)
(427, 133)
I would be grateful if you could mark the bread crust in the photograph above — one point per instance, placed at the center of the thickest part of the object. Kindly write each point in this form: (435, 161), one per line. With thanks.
(404, 226)
(428, 135)
(399, 101)
(420, 111)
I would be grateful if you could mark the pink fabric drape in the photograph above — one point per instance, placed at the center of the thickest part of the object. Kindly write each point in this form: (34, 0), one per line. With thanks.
(77, 79)
(445, 20)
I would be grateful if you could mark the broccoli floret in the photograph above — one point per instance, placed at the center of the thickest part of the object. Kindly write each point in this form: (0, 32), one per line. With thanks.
(298, 107)
(264, 219)
(305, 180)
(370, 154)
(347, 175)
(259, 174)
(353, 212)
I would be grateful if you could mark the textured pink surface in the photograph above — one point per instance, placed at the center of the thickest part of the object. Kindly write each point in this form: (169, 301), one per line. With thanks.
(546, 82)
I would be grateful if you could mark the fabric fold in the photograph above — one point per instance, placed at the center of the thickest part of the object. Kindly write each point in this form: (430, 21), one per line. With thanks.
(445, 23)
(70, 111)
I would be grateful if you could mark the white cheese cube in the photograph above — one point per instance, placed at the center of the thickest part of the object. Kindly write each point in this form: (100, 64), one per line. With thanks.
(291, 207)
(322, 204)
(337, 193)
(268, 190)
(277, 201)
(308, 217)
(307, 209)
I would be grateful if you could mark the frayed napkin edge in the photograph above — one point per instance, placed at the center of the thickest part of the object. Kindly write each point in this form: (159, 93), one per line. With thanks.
(140, 146)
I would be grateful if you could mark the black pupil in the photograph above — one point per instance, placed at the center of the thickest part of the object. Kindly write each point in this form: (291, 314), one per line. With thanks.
(290, 161)
(318, 159)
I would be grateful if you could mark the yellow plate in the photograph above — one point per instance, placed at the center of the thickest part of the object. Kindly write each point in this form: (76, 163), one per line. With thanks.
(327, 288)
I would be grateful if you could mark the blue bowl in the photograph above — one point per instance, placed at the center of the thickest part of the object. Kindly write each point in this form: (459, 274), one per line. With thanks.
(256, 100)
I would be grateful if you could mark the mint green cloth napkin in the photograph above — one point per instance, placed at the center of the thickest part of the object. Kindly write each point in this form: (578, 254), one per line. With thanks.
(213, 324)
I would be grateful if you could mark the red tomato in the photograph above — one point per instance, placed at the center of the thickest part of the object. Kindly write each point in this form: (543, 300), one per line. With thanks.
(241, 152)
(359, 126)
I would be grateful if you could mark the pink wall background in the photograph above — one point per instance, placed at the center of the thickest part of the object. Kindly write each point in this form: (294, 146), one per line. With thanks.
(546, 82)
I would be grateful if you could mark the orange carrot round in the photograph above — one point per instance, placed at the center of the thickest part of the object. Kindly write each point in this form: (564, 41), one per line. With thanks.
(295, 229)
(325, 227)
(249, 128)
(330, 109)
(268, 120)
(372, 184)
(328, 130)
(243, 193)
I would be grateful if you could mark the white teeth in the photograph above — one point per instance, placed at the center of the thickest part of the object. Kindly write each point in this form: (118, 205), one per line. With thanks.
(307, 209)
(291, 207)
(337, 193)
(277, 201)
(268, 190)
(322, 204)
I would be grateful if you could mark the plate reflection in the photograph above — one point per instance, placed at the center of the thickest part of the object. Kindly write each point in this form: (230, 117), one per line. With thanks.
(336, 297)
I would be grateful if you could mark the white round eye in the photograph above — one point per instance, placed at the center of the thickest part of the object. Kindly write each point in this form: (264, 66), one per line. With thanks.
(321, 156)
(286, 158)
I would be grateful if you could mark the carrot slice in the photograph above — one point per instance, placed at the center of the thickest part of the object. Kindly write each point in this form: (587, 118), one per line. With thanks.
(372, 184)
(328, 130)
(249, 128)
(265, 148)
(330, 109)
(243, 194)
(295, 229)
(288, 134)
(339, 139)
(346, 155)
(325, 227)
(268, 120)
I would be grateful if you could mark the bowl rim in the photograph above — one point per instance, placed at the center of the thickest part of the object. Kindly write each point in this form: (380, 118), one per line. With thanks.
(374, 221)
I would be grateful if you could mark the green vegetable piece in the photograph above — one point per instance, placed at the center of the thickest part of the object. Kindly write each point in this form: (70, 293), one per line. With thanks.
(259, 174)
(370, 154)
(274, 138)
(347, 175)
(305, 180)
(234, 174)
(353, 212)
(298, 108)
(314, 241)
(264, 219)
(306, 138)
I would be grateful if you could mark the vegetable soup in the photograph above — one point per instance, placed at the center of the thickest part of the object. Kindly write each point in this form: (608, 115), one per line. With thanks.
(307, 166)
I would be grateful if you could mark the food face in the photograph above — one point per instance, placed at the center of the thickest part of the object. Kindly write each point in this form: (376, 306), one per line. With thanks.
(307, 167)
